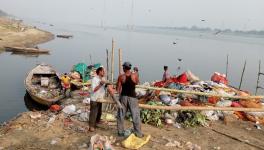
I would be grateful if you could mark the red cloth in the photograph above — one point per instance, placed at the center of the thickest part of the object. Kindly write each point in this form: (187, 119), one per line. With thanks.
(219, 78)
(235, 104)
(159, 84)
(180, 79)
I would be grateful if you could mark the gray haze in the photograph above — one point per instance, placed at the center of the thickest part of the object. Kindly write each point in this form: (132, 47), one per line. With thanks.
(234, 14)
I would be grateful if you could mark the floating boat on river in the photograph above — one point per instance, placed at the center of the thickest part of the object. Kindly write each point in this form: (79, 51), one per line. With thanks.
(64, 36)
(26, 50)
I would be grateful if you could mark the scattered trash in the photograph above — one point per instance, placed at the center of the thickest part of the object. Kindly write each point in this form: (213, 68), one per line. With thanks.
(51, 120)
(98, 142)
(217, 148)
(84, 116)
(192, 146)
(108, 117)
(55, 108)
(133, 142)
(70, 109)
(257, 125)
(249, 129)
(55, 141)
(174, 144)
(211, 115)
(35, 115)
(169, 121)
(191, 118)
(177, 125)
(86, 101)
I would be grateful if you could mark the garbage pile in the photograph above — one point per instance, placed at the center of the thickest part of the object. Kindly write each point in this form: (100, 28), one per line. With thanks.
(218, 85)
(81, 74)
(45, 87)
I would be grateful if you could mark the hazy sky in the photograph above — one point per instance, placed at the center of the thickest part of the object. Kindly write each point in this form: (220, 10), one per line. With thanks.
(234, 14)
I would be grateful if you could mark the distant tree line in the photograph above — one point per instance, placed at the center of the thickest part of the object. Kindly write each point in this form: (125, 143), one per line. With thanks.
(215, 30)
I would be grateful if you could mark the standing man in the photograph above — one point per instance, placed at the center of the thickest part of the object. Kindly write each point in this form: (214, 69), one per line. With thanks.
(98, 91)
(126, 86)
(166, 75)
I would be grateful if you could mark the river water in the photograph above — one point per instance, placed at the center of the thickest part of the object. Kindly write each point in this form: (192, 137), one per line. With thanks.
(147, 48)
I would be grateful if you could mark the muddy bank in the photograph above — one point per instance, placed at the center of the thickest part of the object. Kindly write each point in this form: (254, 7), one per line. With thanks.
(15, 33)
(48, 130)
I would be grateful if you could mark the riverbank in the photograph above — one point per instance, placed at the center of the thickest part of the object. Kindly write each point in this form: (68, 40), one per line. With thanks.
(49, 130)
(15, 33)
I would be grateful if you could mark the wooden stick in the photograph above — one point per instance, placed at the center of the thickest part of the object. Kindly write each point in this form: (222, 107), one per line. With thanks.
(242, 75)
(191, 107)
(120, 60)
(199, 93)
(258, 78)
(226, 65)
(112, 61)
(107, 64)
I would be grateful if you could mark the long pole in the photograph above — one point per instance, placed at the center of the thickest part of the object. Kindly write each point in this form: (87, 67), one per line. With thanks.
(227, 65)
(112, 61)
(120, 60)
(199, 93)
(258, 78)
(190, 107)
(107, 64)
(242, 75)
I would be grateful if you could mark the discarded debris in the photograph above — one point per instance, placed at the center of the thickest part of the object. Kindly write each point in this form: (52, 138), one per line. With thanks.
(70, 109)
(35, 115)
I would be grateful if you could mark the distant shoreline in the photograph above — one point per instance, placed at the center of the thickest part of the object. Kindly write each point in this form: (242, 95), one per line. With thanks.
(16, 33)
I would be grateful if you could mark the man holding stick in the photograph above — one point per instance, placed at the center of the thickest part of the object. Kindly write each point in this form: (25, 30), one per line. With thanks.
(126, 86)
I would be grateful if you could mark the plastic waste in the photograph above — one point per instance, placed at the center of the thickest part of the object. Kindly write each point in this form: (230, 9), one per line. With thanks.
(98, 142)
(133, 142)
(86, 101)
(84, 116)
(174, 102)
(211, 115)
(174, 144)
(35, 115)
(55, 140)
(165, 99)
(70, 109)
(224, 103)
(52, 119)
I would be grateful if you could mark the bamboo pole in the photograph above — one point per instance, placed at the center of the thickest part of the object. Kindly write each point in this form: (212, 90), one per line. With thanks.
(120, 60)
(191, 107)
(227, 62)
(258, 78)
(242, 75)
(112, 61)
(107, 64)
(199, 93)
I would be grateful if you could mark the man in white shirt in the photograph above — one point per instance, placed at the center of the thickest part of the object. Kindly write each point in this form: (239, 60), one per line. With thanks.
(98, 91)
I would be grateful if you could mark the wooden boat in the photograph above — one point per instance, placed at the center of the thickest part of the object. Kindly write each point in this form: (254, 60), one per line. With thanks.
(43, 85)
(64, 36)
(26, 50)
